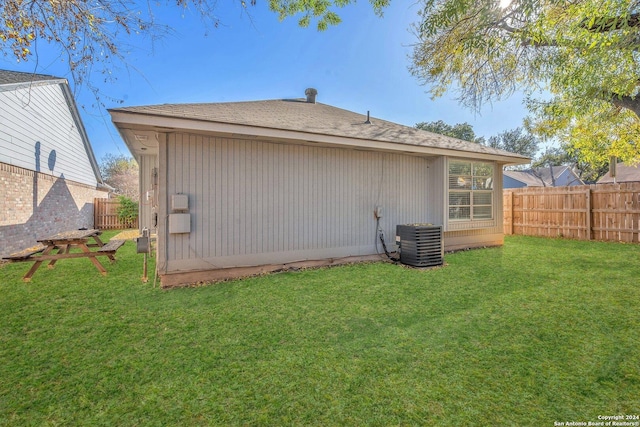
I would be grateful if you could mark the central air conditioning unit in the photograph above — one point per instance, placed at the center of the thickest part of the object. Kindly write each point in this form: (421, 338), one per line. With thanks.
(420, 244)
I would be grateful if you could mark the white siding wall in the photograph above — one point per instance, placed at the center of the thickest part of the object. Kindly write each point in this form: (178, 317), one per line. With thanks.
(40, 114)
(254, 202)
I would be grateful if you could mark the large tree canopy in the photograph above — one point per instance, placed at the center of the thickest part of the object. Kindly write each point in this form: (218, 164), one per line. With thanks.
(515, 141)
(89, 32)
(462, 131)
(90, 36)
(323, 12)
(121, 173)
(588, 172)
(584, 53)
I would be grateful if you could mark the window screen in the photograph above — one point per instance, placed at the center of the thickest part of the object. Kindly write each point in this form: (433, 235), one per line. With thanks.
(470, 190)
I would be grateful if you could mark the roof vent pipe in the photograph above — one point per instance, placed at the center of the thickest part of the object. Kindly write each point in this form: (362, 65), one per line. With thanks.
(368, 122)
(311, 95)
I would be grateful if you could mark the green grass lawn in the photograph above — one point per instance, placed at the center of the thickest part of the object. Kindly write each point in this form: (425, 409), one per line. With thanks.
(536, 332)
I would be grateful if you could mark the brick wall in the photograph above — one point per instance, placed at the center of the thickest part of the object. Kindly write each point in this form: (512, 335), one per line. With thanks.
(34, 205)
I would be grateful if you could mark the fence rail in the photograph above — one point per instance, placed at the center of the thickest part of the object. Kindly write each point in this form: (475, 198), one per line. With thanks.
(609, 212)
(105, 215)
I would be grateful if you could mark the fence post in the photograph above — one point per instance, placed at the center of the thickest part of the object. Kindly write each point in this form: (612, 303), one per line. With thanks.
(588, 211)
(105, 215)
(510, 204)
(95, 212)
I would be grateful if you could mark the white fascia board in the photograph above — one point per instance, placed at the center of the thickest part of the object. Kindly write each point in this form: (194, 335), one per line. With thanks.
(169, 124)
(73, 108)
(123, 135)
(14, 86)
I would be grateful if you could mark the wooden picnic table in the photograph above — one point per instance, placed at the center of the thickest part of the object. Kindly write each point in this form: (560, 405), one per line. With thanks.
(63, 243)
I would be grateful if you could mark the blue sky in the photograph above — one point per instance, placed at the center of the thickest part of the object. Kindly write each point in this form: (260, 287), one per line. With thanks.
(360, 65)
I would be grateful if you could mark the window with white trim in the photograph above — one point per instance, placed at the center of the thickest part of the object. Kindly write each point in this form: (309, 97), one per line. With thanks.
(470, 190)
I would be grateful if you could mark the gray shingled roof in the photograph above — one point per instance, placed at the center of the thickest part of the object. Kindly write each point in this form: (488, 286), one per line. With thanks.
(299, 115)
(12, 77)
(527, 177)
(624, 173)
(538, 177)
(545, 173)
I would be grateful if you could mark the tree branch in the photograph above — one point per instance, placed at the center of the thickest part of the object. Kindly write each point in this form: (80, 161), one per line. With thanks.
(526, 41)
(602, 25)
(625, 101)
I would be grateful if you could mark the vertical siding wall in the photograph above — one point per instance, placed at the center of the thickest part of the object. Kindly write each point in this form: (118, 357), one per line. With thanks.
(254, 202)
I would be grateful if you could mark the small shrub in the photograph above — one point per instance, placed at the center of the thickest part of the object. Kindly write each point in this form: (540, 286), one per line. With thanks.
(127, 211)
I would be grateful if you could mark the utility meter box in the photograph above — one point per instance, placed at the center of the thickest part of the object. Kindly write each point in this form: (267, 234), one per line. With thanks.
(143, 243)
(179, 223)
(179, 202)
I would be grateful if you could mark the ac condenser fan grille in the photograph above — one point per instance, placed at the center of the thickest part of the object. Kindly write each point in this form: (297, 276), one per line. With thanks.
(420, 245)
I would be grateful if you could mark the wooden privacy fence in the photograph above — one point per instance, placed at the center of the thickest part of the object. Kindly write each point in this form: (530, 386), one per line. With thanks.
(599, 212)
(105, 215)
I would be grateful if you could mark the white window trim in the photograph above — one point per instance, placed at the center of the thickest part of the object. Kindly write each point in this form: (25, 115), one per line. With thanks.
(463, 224)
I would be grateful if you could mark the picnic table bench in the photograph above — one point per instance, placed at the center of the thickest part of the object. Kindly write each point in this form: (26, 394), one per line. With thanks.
(112, 246)
(63, 243)
(26, 253)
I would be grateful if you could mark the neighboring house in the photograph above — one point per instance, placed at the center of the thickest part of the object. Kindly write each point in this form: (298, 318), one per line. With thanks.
(240, 188)
(48, 173)
(555, 176)
(624, 173)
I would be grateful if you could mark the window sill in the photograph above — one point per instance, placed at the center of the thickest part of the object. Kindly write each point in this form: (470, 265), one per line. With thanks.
(454, 225)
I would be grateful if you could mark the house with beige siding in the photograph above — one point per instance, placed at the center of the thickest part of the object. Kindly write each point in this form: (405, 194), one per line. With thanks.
(239, 188)
(49, 176)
